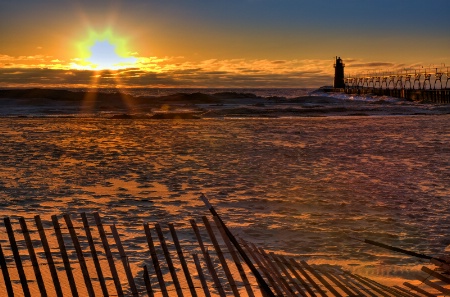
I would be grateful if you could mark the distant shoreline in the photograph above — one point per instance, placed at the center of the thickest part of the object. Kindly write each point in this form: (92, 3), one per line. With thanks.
(159, 91)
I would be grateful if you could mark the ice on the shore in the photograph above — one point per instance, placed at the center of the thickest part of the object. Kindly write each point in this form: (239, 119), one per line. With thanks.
(293, 186)
(351, 97)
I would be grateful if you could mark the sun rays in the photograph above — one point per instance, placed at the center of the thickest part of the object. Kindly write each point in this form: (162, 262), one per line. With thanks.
(103, 51)
(105, 55)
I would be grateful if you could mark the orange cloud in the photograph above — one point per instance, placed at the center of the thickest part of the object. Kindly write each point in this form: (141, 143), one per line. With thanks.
(41, 70)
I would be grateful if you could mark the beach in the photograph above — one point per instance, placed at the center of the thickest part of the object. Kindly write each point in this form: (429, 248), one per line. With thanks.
(301, 186)
(318, 130)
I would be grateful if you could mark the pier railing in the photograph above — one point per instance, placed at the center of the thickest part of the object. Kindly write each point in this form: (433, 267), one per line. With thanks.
(427, 85)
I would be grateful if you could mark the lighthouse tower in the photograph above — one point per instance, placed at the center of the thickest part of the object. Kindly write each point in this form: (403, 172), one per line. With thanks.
(339, 74)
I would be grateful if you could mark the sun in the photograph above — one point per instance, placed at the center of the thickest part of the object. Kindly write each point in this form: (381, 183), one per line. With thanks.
(104, 56)
(103, 51)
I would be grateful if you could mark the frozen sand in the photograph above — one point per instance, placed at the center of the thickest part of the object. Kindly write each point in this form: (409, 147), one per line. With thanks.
(294, 186)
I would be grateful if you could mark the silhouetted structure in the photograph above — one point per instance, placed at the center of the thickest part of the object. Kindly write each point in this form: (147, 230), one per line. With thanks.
(339, 74)
(423, 85)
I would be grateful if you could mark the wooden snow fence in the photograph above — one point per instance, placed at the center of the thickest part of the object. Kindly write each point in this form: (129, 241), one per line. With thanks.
(289, 277)
(432, 283)
(88, 257)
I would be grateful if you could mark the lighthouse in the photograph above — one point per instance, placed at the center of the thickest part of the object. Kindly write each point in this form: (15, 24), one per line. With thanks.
(339, 74)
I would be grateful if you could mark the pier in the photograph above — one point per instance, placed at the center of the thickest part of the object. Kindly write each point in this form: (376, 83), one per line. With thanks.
(428, 85)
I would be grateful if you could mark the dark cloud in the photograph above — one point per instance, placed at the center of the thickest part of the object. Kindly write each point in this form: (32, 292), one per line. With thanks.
(216, 72)
(193, 77)
(186, 71)
(371, 64)
(307, 72)
(250, 70)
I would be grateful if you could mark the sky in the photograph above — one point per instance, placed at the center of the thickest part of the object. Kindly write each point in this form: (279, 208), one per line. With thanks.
(216, 43)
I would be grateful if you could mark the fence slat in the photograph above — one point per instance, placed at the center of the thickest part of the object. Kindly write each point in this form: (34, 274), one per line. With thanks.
(306, 275)
(32, 254)
(65, 257)
(437, 287)
(169, 262)
(48, 256)
(209, 264)
(265, 271)
(201, 276)
(321, 279)
(187, 274)
(15, 250)
(390, 290)
(279, 262)
(265, 289)
(79, 251)
(148, 285)
(98, 267)
(6, 277)
(222, 259)
(360, 285)
(368, 284)
(235, 257)
(436, 274)
(409, 293)
(349, 285)
(297, 276)
(124, 258)
(276, 273)
(337, 282)
(155, 261)
(279, 281)
(112, 266)
(417, 289)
